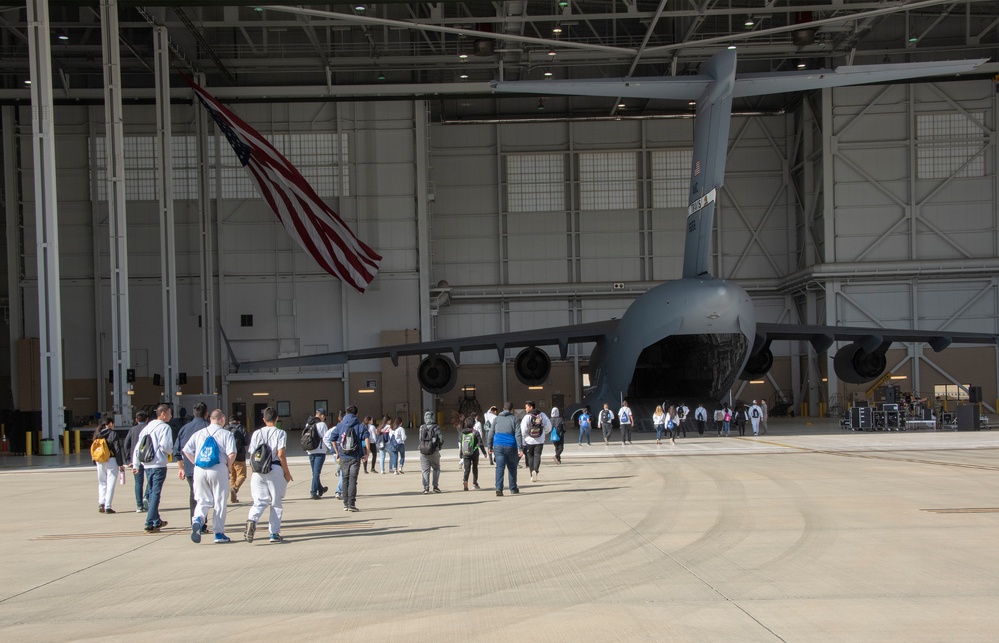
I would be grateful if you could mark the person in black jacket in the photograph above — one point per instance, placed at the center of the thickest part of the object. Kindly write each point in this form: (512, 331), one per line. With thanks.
(237, 474)
(108, 453)
(558, 434)
(141, 499)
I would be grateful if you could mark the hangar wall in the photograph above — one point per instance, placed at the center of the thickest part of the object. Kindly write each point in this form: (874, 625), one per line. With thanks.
(539, 224)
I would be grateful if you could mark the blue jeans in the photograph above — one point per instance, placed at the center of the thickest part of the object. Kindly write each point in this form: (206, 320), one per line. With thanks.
(316, 460)
(584, 430)
(350, 467)
(659, 431)
(506, 458)
(401, 449)
(393, 458)
(154, 478)
(139, 480)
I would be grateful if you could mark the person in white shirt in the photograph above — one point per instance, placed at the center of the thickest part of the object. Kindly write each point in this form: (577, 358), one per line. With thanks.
(627, 422)
(268, 489)
(317, 456)
(701, 417)
(533, 429)
(659, 422)
(211, 475)
(398, 456)
(369, 422)
(755, 415)
(487, 428)
(606, 420)
(161, 440)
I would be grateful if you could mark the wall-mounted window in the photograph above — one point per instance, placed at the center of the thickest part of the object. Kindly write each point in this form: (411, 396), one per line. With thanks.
(535, 182)
(608, 181)
(246, 320)
(951, 144)
(671, 178)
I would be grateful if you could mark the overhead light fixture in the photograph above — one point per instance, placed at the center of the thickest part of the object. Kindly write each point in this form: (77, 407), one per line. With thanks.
(548, 73)
(365, 390)
(692, 103)
(899, 377)
(802, 65)
(463, 76)
(535, 388)
(258, 9)
(62, 36)
(381, 76)
(358, 7)
(620, 105)
(557, 29)
(179, 393)
(541, 104)
(463, 55)
(750, 23)
(563, 3)
(551, 52)
(731, 46)
(825, 379)
(261, 394)
(757, 381)
(913, 39)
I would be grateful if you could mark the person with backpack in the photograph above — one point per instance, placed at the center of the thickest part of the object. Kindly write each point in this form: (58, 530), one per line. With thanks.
(109, 456)
(471, 444)
(726, 420)
(701, 418)
(350, 442)
(138, 479)
(672, 424)
(558, 434)
(585, 423)
(397, 451)
(533, 428)
(719, 420)
(431, 441)
(268, 484)
(312, 441)
(682, 416)
(740, 418)
(505, 443)
(155, 441)
(384, 441)
(659, 422)
(606, 420)
(212, 451)
(186, 468)
(237, 475)
(627, 421)
(755, 414)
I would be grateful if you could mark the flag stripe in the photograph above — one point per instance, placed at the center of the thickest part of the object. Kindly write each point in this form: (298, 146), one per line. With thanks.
(306, 217)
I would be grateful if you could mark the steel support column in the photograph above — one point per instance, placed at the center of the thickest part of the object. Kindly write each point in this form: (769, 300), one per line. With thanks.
(205, 207)
(164, 176)
(46, 220)
(115, 151)
(421, 156)
(15, 260)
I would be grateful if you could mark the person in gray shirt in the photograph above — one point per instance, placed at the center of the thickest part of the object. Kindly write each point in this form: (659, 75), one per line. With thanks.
(505, 444)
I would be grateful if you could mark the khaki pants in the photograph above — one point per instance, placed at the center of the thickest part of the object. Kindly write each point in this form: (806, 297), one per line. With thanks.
(238, 475)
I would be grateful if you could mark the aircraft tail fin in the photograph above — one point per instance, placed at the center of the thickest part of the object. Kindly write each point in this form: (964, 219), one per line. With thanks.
(707, 172)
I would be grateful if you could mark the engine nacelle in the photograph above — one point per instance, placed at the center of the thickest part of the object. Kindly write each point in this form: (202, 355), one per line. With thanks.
(437, 374)
(532, 366)
(854, 365)
(758, 365)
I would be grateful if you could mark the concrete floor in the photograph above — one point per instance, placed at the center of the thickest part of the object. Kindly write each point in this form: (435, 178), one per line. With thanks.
(808, 533)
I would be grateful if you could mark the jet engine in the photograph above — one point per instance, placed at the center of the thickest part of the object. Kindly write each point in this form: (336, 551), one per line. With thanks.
(854, 365)
(532, 366)
(758, 365)
(437, 374)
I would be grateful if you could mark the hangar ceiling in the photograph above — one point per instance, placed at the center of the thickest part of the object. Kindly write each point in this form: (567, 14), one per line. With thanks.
(451, 50)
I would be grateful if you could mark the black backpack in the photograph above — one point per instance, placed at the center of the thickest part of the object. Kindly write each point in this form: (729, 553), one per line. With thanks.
(536, 427)
(428, 443)
(310, 435)
(147, 451)
(261, 458)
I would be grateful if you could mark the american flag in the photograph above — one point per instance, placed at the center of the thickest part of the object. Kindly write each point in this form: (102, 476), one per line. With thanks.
(309, 221)
(697, 167)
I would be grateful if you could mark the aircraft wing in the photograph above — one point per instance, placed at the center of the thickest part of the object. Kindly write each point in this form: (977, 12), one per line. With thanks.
(755, 84)
(561, 336)
(822, 337)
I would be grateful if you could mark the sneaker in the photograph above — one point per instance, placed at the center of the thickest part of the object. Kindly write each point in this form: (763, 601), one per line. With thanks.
(109, 510)
(139, 510)
(514, 490)
(437, 489)
(426, 491)
(100, 508)
(499, 492)
(248, 532)
(323, 491)
(196, 530)
(354, 509)
(314, 496)
(204, 529)
(476, 485)
(221, 539)
(338, 496)
(276, 538)
(464, 485)
(346, 508)
(232, 497)
(145, 505)
(534, 477)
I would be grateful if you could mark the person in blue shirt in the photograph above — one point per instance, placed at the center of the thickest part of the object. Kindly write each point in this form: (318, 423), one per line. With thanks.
(585, 422)
(350, 458)
(506, 443)
(186, 467)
